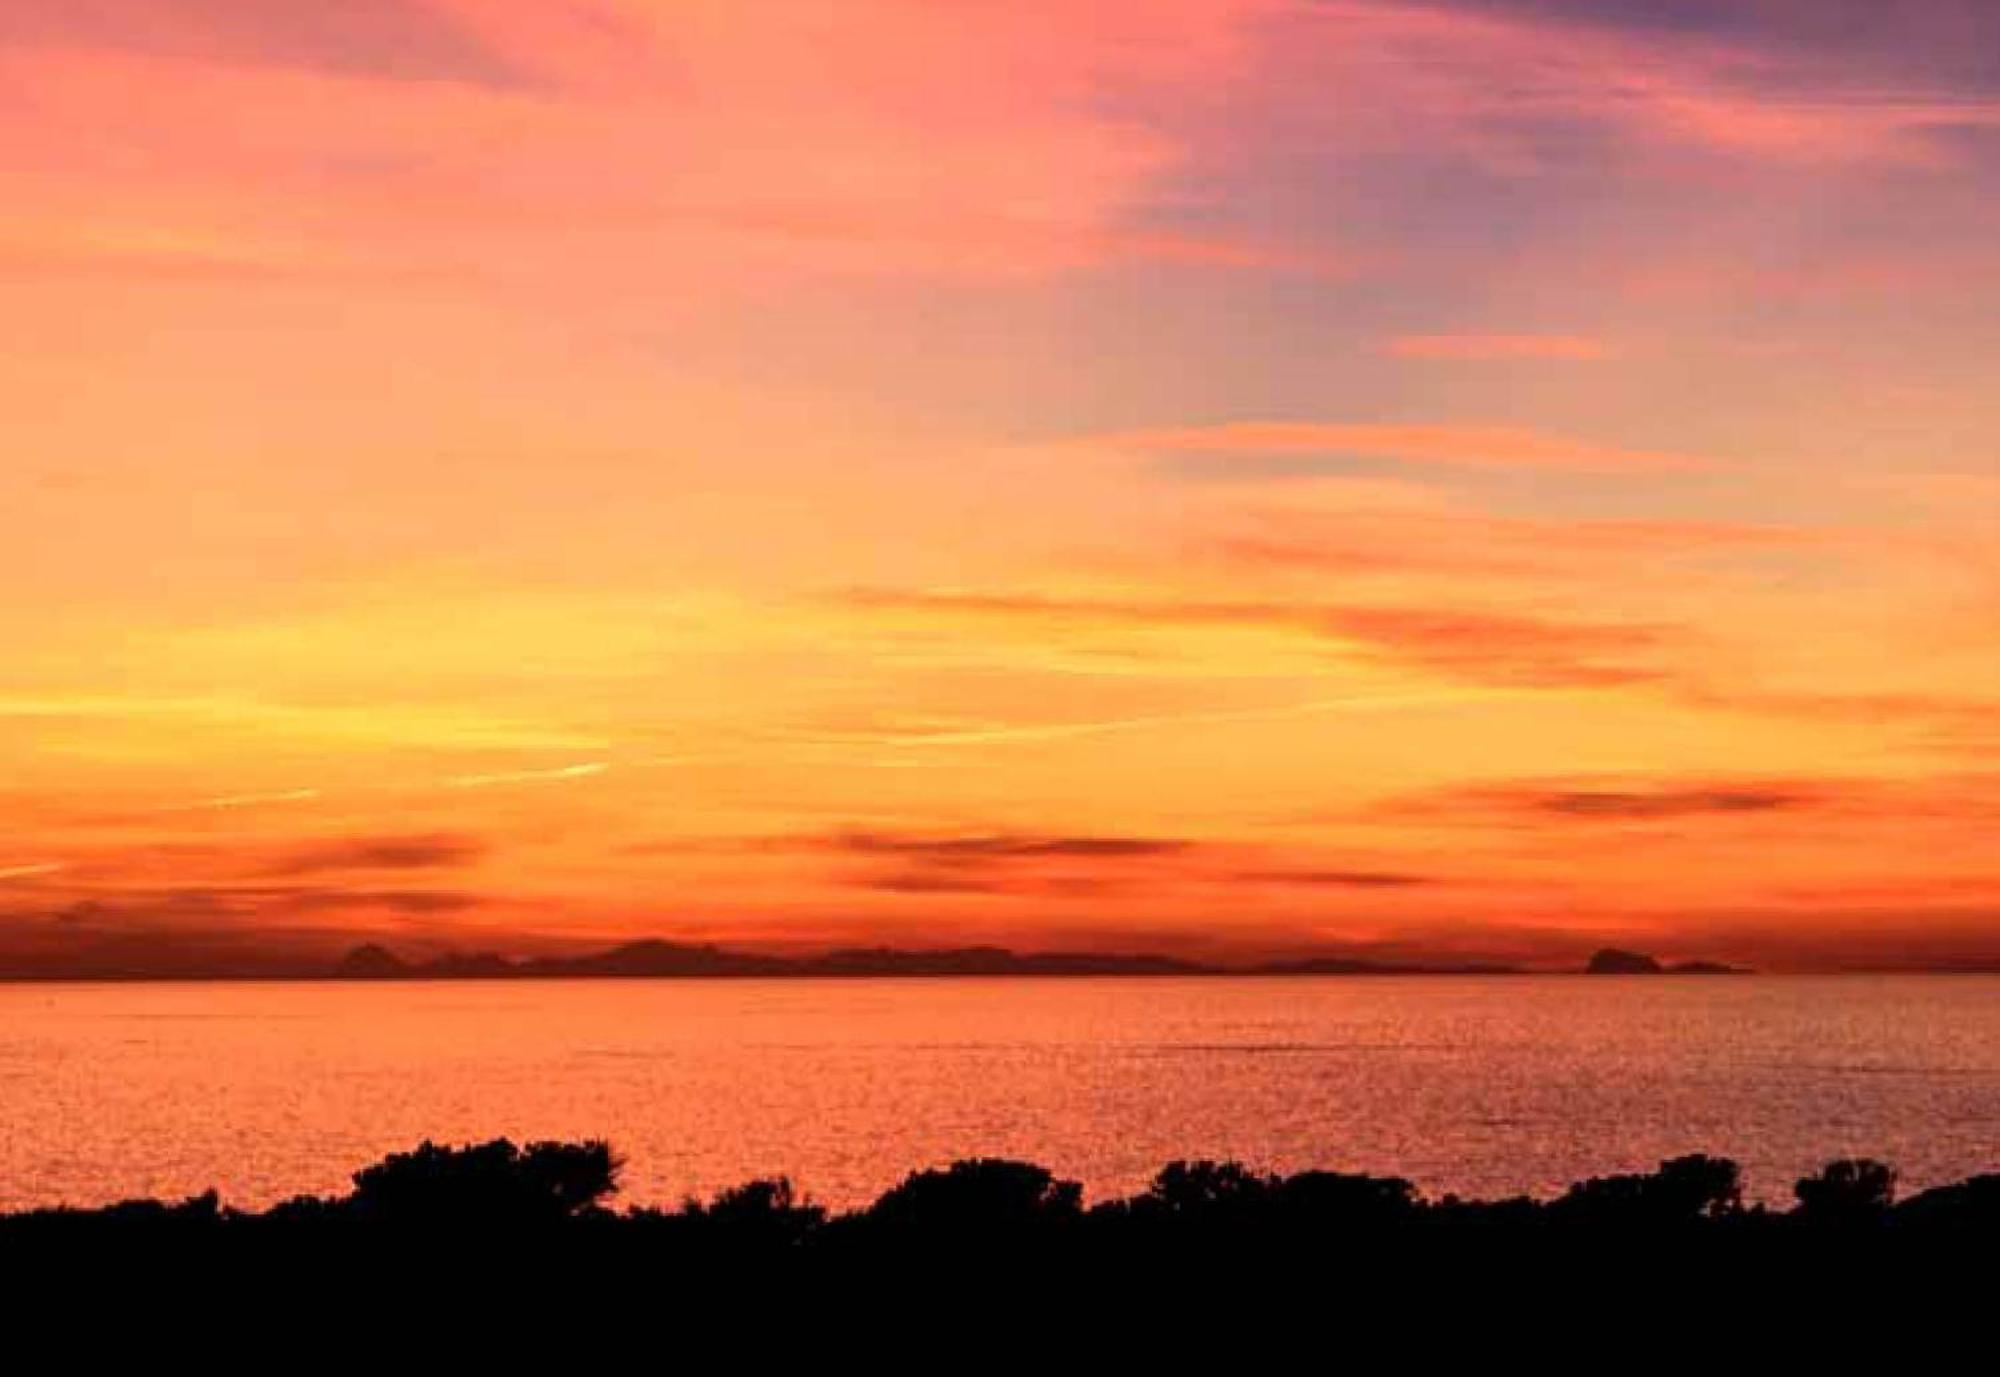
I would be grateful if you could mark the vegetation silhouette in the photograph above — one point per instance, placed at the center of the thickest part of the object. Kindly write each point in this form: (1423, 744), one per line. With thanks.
(1684, 1191)
(497, 1205)
(486, 1185)
(1850, 1193)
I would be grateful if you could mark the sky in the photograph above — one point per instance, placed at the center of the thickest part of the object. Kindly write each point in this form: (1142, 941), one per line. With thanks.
(1459, 478)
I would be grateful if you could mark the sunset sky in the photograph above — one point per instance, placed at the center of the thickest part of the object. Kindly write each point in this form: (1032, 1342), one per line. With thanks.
(1478, 478)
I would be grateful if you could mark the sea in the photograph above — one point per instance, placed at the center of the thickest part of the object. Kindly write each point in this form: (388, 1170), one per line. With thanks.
(1477, 1085)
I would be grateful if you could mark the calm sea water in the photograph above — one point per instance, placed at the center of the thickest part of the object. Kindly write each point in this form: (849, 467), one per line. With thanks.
(1481, 1086)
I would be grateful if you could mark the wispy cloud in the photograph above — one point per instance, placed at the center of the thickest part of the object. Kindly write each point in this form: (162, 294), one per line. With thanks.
(414, 40)
(1477, 645)
(1301, 449)
(1498, 348)
(417, 125)
(1947, 46)
(1951, 721)
(381, 725)
(1457, 543)
(1656, 85)
(1506, 648)
(1003, 733)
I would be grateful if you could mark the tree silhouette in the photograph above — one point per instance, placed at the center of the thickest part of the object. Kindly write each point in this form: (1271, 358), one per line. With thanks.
(757, 1214)
(1854, 1190)
(1682, 1190)
(983, 1194)
(1208, 1189)
(486, 1212)
(1337, 1198)
(486, 1184)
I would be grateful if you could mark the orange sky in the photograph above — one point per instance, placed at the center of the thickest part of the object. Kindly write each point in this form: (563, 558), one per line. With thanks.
(1478, 477)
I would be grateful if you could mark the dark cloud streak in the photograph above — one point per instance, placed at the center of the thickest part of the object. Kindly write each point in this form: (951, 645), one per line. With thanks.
(1616, 804)
(999, 847)
(1931, 45)
(429, 852)
(1332, 879)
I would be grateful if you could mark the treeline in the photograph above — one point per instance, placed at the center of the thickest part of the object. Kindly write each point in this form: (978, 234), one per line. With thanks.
(559, 1193)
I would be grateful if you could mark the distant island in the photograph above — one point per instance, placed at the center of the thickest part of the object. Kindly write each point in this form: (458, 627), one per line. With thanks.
(656, 958)
(115, 960)
(1615, 961)
(659, 958)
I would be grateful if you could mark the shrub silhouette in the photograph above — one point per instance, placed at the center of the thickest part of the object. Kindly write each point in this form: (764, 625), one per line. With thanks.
(1854, 1190)
(755, 1202)
(1207, 1190)
(755, 1215)
(485, 1184)
(1684, 1189)
(1963, 1207)
(1337, 1198)
(1205, 1220)
(981, 1195)
(1206, 1204)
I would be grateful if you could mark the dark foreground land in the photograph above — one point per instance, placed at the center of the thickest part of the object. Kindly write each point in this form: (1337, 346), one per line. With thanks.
(476, 1216)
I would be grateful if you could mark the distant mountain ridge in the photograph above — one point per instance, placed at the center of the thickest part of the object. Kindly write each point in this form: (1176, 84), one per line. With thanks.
(657, 958)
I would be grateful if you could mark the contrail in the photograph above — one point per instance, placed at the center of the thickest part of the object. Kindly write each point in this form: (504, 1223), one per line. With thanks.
(226, 801)
(584, 771)
(246, 800)
(23, 872)
(1062, 730)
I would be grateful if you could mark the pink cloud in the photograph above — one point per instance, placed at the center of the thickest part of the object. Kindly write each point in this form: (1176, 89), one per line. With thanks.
(1493, 86)
(642, 148)
(1469, 643)
(1497, 347)
(1457, 446)
(1373, 539)
(397, 39)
